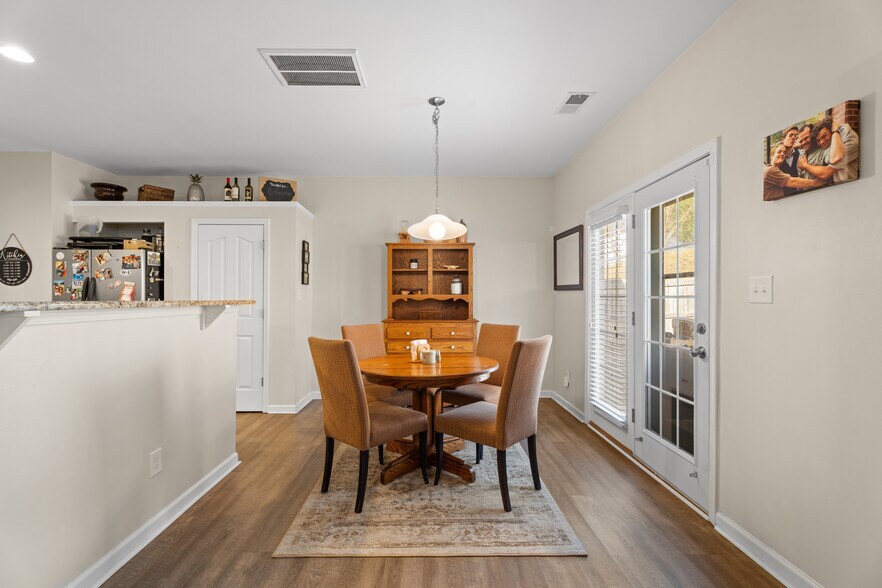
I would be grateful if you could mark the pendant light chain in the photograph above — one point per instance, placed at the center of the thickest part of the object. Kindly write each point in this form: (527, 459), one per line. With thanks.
(435, 116)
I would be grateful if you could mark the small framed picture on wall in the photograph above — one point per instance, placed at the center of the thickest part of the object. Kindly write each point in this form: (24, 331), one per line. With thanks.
(304, 263)
(304, 278)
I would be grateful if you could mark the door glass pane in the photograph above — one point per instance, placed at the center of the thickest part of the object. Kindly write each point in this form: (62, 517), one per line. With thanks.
(652, 410)
(686, 219)
(685, 388)
(686, 270)
(654, 365)
(655, 320)
(654, 229)
(687, 428)
(669, 369)
(684, 330)
(669, 223)
(669, 418)
(655, 274)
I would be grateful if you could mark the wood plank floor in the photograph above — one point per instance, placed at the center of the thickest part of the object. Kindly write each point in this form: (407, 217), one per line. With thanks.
(636, 533)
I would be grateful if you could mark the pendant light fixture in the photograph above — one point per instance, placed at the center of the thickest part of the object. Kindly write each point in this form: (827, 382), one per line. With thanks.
(436, 227)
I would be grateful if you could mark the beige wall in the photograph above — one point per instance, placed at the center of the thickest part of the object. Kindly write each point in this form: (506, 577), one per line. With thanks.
(508, 218)
(77, 424)
(798, 386)
(26, 210)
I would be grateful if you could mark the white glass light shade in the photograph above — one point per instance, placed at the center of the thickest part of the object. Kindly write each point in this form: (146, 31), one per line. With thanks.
(16, 54)
(435, 228)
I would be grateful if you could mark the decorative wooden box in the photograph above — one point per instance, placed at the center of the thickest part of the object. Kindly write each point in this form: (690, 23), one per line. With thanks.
(155, 193)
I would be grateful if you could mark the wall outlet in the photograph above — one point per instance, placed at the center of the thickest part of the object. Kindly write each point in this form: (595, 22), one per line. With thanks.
(155, 462)
(760, 290)
(566, 379)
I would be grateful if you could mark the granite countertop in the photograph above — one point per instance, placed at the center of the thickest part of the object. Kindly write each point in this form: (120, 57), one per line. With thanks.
(95, 305)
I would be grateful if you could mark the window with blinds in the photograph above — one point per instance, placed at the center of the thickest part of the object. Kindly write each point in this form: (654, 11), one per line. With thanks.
(608, 326)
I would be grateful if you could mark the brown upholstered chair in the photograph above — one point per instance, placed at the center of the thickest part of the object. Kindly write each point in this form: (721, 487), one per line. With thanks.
(511, 421)
(351, 418)
(368, 342)
(494, 341)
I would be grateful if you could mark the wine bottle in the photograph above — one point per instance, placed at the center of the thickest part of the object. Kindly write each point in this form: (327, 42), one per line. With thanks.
(228, 191)
(249, 191)
(236, 189)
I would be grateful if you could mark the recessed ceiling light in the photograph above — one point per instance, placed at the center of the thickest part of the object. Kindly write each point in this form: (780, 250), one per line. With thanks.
(16, 53)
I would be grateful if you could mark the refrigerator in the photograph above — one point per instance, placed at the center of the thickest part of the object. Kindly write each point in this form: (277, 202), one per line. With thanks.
(117, 274)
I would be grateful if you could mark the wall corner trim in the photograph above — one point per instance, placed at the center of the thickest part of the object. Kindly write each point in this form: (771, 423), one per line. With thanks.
(117, 557)
(294, 408)
(770, 560)
(564, 403)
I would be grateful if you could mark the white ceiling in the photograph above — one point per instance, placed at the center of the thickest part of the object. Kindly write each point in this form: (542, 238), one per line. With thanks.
(168, 87)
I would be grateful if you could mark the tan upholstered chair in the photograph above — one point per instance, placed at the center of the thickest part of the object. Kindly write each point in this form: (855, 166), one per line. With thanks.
(368, 342)
(512, 421)
(494, 341)
(351, 418)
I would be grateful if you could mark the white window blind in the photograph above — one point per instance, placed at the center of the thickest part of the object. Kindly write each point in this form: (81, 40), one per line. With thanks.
(608, 327)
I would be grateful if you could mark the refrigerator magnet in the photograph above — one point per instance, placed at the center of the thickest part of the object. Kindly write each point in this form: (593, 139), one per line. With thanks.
(80, 267)
(114, 285)
(153, 258)
(61, 269)
(125, 272)
(58, 287)
(128, 292)
(80, 255)
(103, 257)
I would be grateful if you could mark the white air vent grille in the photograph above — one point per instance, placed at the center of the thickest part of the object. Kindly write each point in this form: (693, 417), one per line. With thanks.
(574, 102)
(304, 67)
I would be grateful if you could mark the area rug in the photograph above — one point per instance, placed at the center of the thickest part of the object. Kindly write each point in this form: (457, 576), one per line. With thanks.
(406, 518)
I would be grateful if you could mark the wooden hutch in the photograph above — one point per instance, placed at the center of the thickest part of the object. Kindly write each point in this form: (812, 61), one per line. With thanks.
(420, 305)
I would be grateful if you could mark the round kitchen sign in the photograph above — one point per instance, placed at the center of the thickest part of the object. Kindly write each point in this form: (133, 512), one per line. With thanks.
(15, 264)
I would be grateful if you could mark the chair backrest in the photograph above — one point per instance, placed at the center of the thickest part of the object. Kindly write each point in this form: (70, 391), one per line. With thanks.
(496, 341)
(343, 399)
(367, 339)
(518, 407)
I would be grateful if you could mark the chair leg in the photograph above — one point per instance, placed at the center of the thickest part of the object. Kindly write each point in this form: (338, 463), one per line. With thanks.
(503, 479)
(380, 451)
(423, 451)
(364, 460)
(534, 462)
(439, 456)
(479, 452)
(329, 462)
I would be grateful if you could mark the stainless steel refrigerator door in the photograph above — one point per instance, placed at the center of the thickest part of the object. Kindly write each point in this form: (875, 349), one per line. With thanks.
(124, 266)
(70, 267)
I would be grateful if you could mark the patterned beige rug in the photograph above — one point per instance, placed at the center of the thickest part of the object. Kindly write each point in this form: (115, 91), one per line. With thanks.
(407, 518)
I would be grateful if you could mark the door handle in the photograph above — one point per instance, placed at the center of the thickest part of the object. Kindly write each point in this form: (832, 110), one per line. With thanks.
(699, 352)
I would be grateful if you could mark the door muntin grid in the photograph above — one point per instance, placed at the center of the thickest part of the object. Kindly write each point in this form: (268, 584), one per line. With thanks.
(669, 305)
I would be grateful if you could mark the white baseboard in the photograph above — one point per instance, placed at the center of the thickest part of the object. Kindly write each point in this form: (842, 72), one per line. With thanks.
(105, 567)
(294, 408)
(784, 571)
(564, 403)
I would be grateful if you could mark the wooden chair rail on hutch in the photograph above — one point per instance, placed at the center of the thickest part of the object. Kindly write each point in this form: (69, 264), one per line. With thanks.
(430, 291)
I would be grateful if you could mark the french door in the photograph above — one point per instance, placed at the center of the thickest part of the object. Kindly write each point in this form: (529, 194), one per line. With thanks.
(671, 380)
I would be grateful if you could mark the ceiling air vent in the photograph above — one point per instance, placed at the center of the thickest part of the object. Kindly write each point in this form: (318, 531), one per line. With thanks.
(574, 102)
(313, 67)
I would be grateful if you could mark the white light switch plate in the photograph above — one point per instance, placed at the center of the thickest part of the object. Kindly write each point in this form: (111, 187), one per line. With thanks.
(760, 290)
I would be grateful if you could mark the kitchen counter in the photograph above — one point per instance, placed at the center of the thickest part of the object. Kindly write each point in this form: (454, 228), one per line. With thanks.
(95, 305)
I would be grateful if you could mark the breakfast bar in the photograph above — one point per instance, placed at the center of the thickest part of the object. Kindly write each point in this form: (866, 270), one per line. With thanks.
(114, 418)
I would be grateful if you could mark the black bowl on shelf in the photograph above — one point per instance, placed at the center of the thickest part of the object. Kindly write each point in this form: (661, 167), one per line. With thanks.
(105, 191)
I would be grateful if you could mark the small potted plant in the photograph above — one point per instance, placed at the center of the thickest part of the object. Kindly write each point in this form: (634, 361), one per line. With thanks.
(195, 192)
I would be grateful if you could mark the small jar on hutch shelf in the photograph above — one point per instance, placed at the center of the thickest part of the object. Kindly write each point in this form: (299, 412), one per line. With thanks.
(414, 264)
(456, 285)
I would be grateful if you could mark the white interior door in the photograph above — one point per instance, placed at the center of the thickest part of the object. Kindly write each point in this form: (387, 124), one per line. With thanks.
(230, 266)
(672, 286)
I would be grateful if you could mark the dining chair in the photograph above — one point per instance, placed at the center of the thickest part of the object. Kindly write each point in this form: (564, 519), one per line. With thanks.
(368, 342)
(351, 418)
(495, 341)
(511, 421)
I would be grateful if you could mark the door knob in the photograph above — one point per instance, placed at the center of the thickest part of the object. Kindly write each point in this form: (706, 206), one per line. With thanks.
(699, 352)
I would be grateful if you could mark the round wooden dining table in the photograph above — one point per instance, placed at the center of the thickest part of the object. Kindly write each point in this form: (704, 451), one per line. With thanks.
(427, 382)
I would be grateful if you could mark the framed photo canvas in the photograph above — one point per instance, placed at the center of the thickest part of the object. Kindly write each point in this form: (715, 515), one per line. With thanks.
(816, 152)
